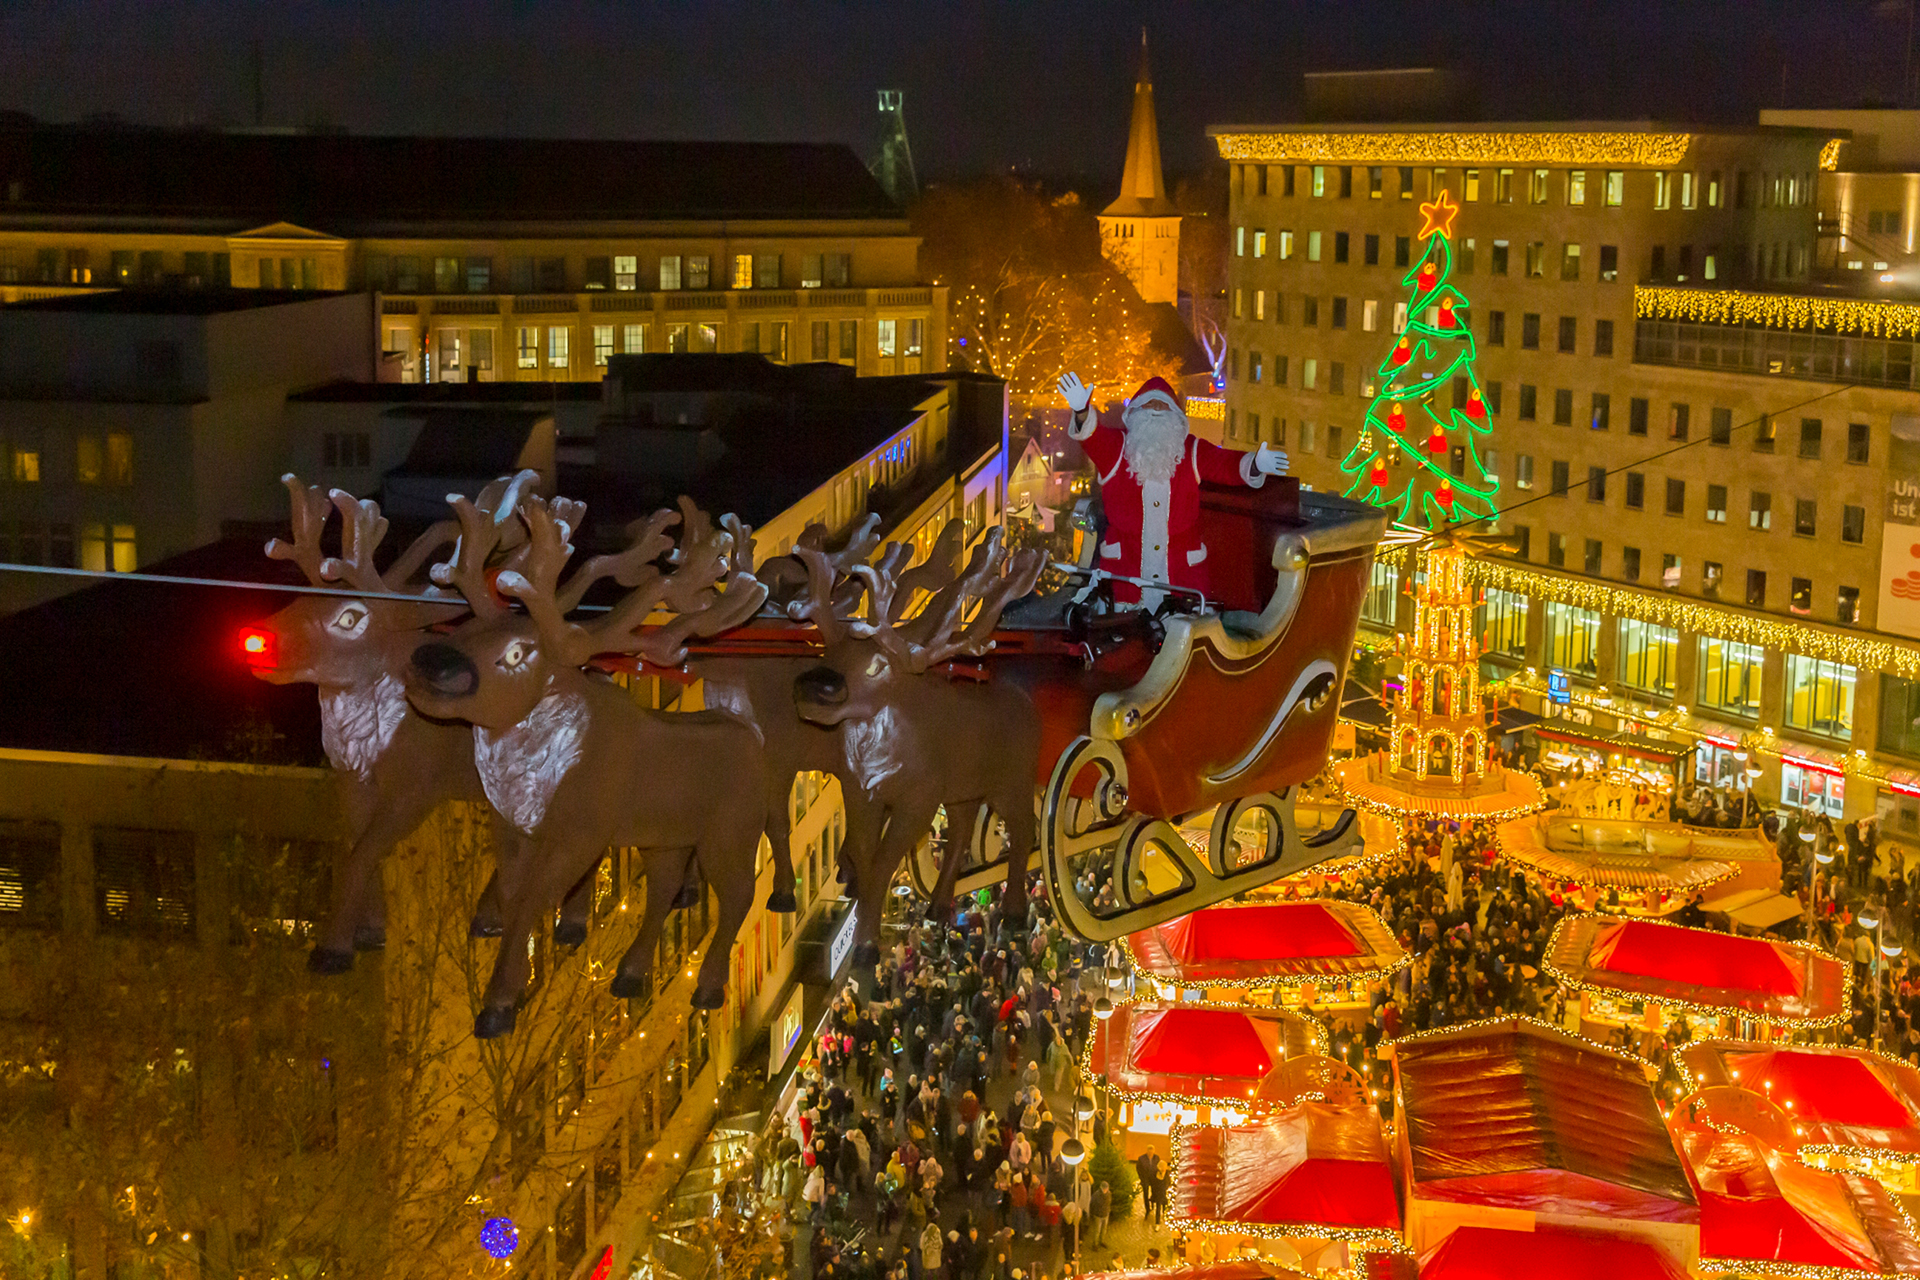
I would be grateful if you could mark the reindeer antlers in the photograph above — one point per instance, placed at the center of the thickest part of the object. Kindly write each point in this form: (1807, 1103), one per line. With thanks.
(992, 580)
(485, 527)
(310, 509)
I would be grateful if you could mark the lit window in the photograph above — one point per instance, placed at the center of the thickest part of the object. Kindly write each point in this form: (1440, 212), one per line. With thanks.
(1819, 696)
(1616, 189)
(699, 271)
(626, 273)
(888, 338)
(602, 344)
(1572, 638)
(1577, 186)
(26, 466)
(1662, 190)
(742, 271)
(1503, 622)
(1286, 245)
(1648, 656)
(811, 271)
(1369, 315)
(529, 348)
(1259, 244)
(670, 272)
(90, 460)
(1730, 676)
(119, 457)
(557, 353)
(634, 340)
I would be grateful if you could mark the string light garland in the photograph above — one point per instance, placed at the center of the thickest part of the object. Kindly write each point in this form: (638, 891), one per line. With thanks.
(1552, 147)
(1811, 1153)
(1212, 408)
(1245, 1098)
(1683, 614)
(1553, 970)
(1515, 1021)
(1874, 317)
(1830, 153)
(1139, 964)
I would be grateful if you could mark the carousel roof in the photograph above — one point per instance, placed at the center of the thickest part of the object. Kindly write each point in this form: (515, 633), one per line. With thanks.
(1315, 1170)
(1699, 969)
(1488, 1253)
(1200, 1052)
(1612, 854)
(1267, 942)
(1847, 1099)
(1515, 1114)
(1371, 782)
(1761, 1205)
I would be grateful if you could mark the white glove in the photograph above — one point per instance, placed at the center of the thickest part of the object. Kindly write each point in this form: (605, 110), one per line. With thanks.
(1270, 461)
(1079, 395)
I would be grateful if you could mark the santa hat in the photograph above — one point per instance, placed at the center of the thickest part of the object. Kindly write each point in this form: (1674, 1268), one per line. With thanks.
(1156, 387)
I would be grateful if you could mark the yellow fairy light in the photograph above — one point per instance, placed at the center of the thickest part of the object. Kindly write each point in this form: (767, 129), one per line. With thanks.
(1601, 147)
(1871, 316)
(1681, 613)
(1212, 408)
(1830, 154)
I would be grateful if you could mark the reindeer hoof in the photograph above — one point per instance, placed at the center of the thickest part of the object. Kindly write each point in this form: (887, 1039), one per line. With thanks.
(689, 896)
(328, 961)
(782, 900)
(569, 933)
(627, 986)
(866, 954)
(369, 938)
(708, 997)
(493, 1022)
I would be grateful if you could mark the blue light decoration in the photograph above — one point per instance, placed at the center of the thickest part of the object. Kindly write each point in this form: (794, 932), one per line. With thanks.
(499, 1237)
(1559, 687)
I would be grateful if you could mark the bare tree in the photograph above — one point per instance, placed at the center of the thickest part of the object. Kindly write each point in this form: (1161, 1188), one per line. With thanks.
(1202, 202)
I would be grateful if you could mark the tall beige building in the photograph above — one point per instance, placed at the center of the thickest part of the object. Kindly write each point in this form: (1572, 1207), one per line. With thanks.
(1140, 230)
(1707, 458)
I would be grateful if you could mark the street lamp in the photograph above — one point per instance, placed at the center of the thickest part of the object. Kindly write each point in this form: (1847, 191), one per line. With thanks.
(1103, 1008)
(1072, 1152)
(1873, 919)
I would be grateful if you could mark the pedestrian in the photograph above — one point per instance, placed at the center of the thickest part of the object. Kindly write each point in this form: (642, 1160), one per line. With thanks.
(930, 1249)
(1102, 1208)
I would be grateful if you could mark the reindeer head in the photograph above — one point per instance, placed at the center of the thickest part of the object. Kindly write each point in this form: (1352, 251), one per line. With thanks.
(337, 641)
(868, 658)
(495, 670)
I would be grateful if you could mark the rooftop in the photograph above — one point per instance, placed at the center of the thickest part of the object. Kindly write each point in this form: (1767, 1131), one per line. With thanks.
(170, 302)
(345, 184)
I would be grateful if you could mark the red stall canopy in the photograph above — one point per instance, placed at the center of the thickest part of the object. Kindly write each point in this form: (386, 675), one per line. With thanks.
(1315, 1170)
(1486, 1253)
(1516, 1114)
(1199, 1052)
(1268, 942)
(1700, 969)
(1844, 1099)
(1759, 1205)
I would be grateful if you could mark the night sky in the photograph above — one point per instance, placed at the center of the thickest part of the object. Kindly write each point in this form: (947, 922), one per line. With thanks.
(1038, 85)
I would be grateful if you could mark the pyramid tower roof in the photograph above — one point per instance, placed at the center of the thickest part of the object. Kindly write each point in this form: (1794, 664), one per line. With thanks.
(1143, 187)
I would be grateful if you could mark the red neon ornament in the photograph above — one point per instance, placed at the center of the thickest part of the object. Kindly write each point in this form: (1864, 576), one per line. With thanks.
(259, 646)
(1427, 273)
(1379, 473)
(1402, 353)
(1397, 417)
(1437, 442)
(1476, 407)
(1444, 494)
(1447, 320)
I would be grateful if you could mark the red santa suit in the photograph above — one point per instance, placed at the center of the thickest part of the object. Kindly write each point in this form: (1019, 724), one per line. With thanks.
(1151, 526)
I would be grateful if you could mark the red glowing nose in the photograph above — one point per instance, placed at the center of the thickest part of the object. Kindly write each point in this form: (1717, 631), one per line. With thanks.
(259, 645)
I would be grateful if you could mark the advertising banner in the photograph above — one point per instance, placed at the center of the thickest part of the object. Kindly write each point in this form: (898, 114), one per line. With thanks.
(1900, 536)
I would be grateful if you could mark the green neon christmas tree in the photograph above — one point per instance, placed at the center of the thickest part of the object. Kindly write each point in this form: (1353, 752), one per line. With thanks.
(1401, 458)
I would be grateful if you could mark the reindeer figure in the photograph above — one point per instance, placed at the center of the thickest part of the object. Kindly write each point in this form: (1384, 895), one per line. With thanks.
(760, 689)
(914, 739)
(572, 763)
(397, 765)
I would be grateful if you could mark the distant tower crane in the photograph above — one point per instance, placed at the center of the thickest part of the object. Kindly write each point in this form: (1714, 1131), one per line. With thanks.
(893, 165)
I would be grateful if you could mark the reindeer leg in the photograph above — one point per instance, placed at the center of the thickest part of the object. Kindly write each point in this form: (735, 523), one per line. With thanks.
(510, 968)
(390, 817)
(488, 915)
(735, 896)
(907, 822)
(570, 930)
(1016, 810)
(961, 818)
(665, 870)
(780, 838)
(692, 885)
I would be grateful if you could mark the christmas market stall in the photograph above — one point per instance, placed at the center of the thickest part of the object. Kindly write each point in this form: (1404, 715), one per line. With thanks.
(1852, 1109)
(1313, 1181)
(1632, 868)
(1514, 1115)
(1646, 974)
(1490, 1253)
(1169, 1063)
(1652, 765)
(1764, 1212)
(1321, 952)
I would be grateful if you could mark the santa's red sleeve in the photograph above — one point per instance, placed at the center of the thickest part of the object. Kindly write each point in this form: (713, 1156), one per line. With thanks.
(1225, 466)
(1102, 442)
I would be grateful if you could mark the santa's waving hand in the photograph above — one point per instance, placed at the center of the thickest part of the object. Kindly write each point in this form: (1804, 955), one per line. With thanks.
(1150, 468)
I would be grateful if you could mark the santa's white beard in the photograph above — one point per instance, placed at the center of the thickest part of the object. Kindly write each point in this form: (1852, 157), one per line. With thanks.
(1155, 445)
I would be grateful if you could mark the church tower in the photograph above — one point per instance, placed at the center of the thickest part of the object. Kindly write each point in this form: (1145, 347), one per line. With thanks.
(1140, 232)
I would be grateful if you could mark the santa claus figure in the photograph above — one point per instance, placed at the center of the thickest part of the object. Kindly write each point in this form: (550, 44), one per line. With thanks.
(1150, 469)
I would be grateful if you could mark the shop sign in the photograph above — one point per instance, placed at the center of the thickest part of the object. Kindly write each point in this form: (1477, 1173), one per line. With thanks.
(1559, 687)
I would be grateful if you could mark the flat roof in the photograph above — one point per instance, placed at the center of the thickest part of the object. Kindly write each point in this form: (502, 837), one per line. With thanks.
(1525, 126)
(172, 302)
(338, 182)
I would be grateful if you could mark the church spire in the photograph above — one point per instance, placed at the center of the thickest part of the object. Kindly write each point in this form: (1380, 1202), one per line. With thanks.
(1143, 188)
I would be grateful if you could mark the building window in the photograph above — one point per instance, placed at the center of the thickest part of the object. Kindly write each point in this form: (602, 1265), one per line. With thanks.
(1463, 261)
(1572, 638)
(1576, 186)
(1503, 622)
(1730, 676)
(1569, 328)
(1716, 504)
(1609, 262)
(1471, 186)
(1529, 402)
(839, 267)
(1616, 188)
(557, 339)
(1810, 437)
(1763, 434)
(1313, 246)
(1630, 563)
(1496, 328)
(699, 271)
(529, 348)
(670, 271)
(1857, 446)
(1760, 511)
(1259, 244)
(1805, 515)
(1498, 263)
(108, 548)
(1493, 397)
(1309, 374)
(1402, 251)
(1340, 242)
(1591, 564)
(1561, 480)
(143, 882)
(1853, 524)
(1847, 606)
(1676, 497)
(1648, 656)
(1600, 418)
(1503, 187)
(1563, 407)
(1370, 250)
(1339, 318)
(1333, 441)
(1337, 380)
(850, 340)
(1756, 588)
(1637, 416)
(633, 340)
(1383, 594)
(626, 273)
(1636, 490)
(1254, 366)
(1369, 316)
(1711, 573)
(1557, 550)
(1804, 788)
(119, 470)
(1286, 245)
(602, 344)
(1523, 471)
(1800, 596)
(1596, 484)
(1603, 337)
(598, 273)
(1899, 719)
(1530, 331)
(1536, 259)
(1310, 310)
(766, 271)
(742, 271)
(1537, 187)
(1819, 696)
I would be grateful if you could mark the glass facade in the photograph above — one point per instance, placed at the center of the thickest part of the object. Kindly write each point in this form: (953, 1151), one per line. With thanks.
(1503, 623)
(1648, 656)
(1383, 595)
(1573, 638)
(1818, 357)
(1900, 715)
(1730, 677)
(1819, 696)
